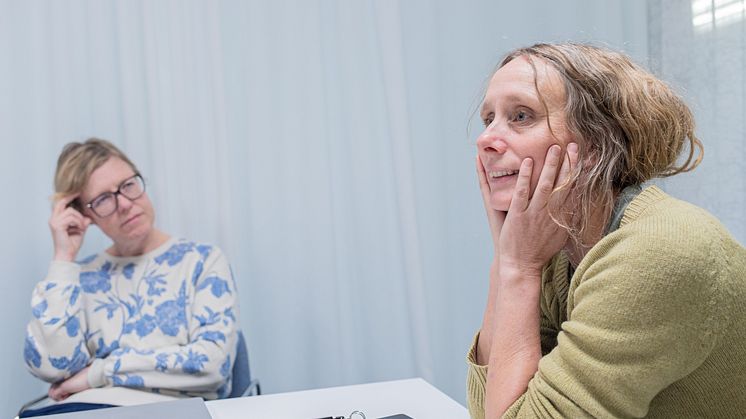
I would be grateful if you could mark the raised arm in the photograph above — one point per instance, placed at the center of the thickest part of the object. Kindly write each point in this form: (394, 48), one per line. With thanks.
(495, 220)
(55, 343)
(528, 240)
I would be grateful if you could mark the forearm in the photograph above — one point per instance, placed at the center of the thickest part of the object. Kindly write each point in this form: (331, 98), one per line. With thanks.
(515, 346)
(484, 344)
(201, 366)
(55, 344)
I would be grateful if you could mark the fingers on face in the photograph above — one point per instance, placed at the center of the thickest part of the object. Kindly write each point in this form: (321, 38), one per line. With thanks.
(480, 172)
(548, 175)
(522, 190)
(572, 154)
(72, 222)
(568, 164)
(63, 203)
(72, 219)
(484, 186)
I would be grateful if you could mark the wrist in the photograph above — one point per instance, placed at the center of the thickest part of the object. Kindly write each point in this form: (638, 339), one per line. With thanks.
(95, 376)
(61, 257)
(61, 271)
(512, 273)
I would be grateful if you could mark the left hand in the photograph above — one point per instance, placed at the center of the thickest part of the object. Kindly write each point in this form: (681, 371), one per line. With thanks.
(530, 237)
(75, 384)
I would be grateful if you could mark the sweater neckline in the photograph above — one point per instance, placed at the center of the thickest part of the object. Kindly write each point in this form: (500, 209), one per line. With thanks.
(641, 203)
(626, 196)
(149, 255)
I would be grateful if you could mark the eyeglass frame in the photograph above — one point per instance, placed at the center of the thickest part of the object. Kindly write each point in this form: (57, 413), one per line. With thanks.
(114, 194)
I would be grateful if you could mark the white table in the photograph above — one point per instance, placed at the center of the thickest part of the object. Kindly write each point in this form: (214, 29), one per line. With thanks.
(414, 397)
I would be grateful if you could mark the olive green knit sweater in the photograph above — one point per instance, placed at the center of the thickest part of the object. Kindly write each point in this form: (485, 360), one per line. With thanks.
(652, 323)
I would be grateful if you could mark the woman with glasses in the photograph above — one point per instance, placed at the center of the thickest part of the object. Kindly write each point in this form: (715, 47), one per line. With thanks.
(151, 312)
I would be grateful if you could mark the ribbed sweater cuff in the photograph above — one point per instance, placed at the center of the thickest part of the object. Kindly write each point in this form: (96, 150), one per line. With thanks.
(96, 374)
(63, 271)
(476, 382)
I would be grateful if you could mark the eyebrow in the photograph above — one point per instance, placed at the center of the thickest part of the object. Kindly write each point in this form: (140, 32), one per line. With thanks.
(511, 98)
(109, 191)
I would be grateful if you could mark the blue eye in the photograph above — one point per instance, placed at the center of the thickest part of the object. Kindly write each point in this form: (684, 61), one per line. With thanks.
(520, 116)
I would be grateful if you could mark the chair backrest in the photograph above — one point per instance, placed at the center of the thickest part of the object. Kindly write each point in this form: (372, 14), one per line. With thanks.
(241, 371)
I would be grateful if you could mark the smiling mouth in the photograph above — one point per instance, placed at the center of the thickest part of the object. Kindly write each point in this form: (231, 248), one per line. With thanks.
(501, 173)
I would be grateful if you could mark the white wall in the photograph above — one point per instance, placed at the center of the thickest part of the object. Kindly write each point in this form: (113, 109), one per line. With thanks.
(700, 48)
(322, 144)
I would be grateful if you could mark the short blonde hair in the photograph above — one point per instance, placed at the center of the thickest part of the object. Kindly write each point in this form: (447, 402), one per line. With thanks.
(629, 125)
(78, 161)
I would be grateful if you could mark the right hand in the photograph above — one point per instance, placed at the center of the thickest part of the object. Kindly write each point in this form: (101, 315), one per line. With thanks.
(495, 218)
(75, 384)
(68, 227)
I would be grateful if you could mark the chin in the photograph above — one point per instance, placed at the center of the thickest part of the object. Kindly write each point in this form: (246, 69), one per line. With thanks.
(500, 206)
(139, 231)
(499, 202)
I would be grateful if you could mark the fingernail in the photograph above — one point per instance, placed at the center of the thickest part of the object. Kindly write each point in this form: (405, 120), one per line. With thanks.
(529, 162)
(556, 150)
(572, 148)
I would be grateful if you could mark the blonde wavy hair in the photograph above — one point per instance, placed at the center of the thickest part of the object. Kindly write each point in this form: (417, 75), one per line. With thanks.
(78, 161)
(629, 125)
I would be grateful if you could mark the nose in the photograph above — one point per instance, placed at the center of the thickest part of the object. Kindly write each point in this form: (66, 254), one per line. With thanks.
(492, 141)
(124, 203)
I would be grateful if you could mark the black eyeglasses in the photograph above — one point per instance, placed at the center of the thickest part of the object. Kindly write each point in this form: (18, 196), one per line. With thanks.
(107, 203)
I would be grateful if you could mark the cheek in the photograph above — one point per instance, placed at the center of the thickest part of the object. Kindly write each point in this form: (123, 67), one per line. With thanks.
(145, 203)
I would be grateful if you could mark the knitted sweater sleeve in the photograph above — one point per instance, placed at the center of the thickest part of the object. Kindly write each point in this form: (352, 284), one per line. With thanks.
(55, 346)
(203, 364)
(642, 315)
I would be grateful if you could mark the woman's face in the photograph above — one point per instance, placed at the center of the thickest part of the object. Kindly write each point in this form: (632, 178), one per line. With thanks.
(516, 124)
(133, 220)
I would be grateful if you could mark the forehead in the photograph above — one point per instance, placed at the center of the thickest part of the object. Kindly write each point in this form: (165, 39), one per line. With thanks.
(518, 80)
(107, 178)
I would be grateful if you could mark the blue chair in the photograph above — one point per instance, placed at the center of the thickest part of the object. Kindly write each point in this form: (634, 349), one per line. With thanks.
(243, 385)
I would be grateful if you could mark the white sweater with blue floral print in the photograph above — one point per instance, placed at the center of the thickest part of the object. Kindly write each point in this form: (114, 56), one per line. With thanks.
(165, 321)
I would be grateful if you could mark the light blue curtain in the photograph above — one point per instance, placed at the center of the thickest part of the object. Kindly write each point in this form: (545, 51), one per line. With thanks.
(324, 145)
(699, 46)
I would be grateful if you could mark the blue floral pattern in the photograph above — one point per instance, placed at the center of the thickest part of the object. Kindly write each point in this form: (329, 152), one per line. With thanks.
(194, 362)
(97, 281)
(180, 304)
(39, 309)
(76, 362)
(30, 353)
(175, 254)
(72, 325)
(103, 350)
(128, 270)
(217, 285)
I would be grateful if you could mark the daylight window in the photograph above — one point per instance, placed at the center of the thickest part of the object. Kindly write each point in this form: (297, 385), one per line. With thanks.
(709, 14)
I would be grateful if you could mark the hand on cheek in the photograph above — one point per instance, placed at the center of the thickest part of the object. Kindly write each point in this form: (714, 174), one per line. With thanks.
(494, 218)
(530, 237)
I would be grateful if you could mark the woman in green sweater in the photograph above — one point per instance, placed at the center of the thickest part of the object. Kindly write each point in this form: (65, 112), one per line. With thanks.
(606, 298)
